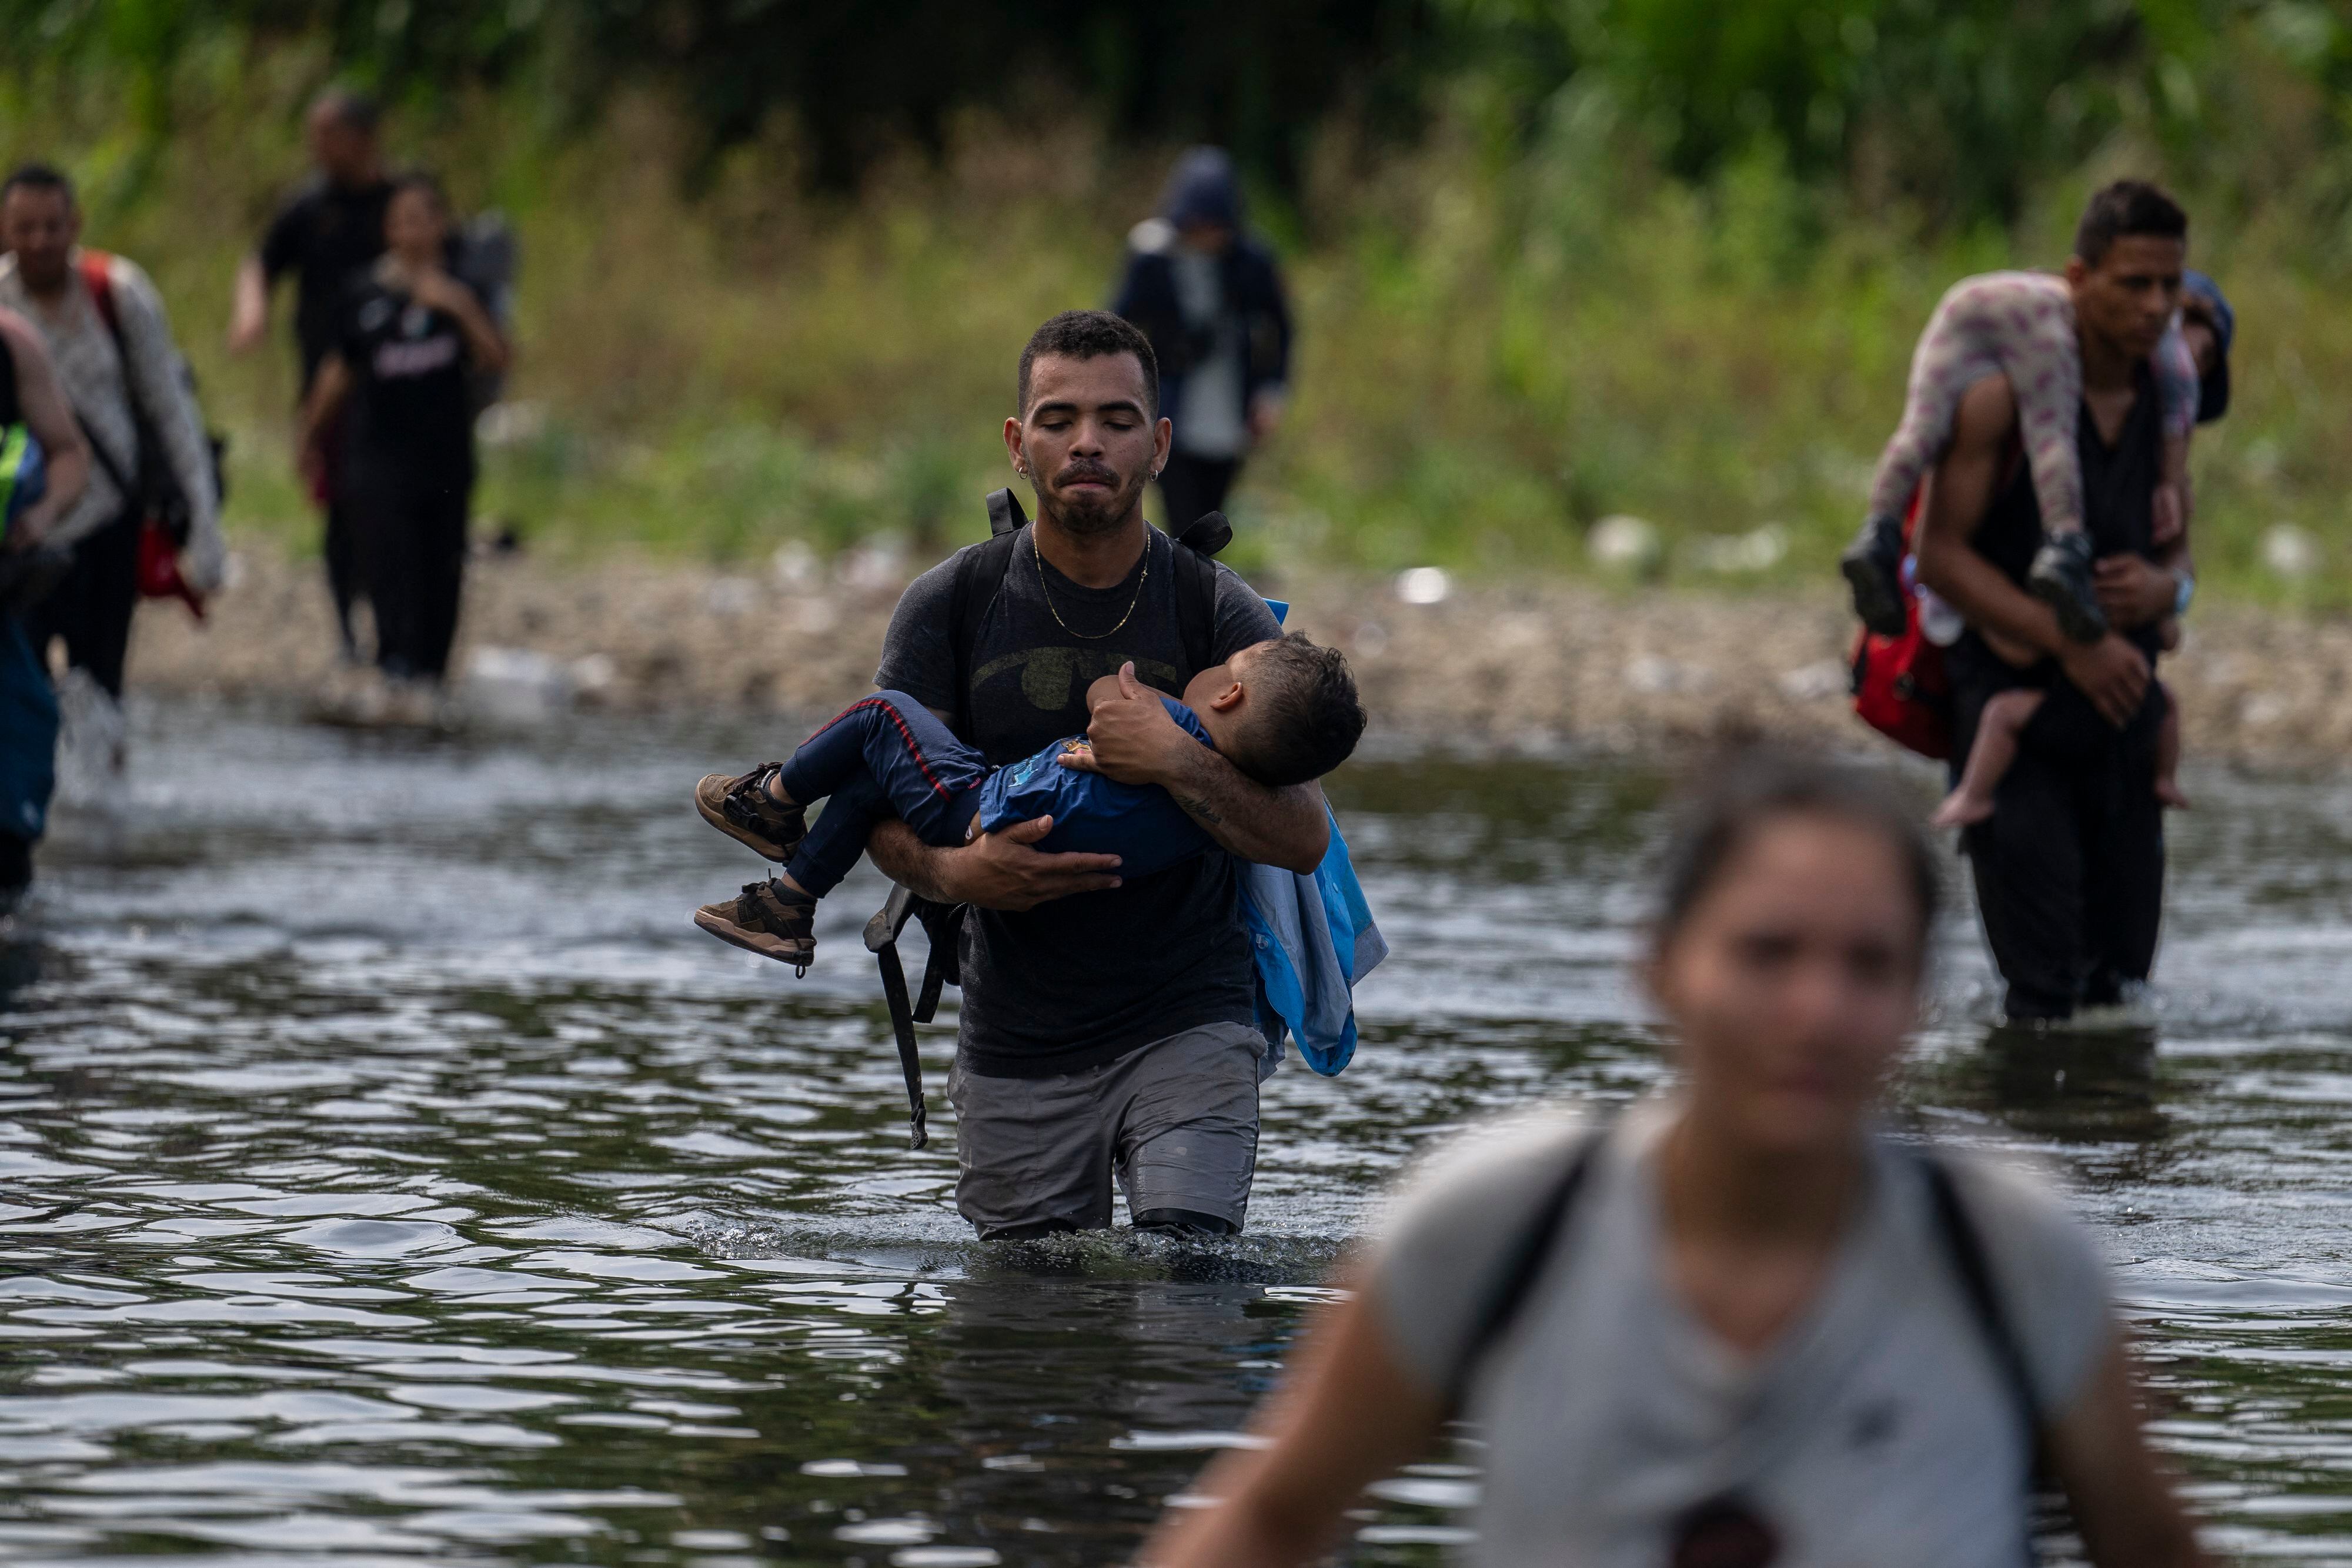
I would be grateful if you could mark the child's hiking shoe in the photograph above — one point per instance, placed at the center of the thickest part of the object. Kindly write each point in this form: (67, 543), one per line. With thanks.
(2061, 578)
(1872, 566)
(743, 808)
(767, 918)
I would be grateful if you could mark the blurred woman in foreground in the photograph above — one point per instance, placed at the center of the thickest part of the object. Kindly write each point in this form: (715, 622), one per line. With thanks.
(1739, 1326)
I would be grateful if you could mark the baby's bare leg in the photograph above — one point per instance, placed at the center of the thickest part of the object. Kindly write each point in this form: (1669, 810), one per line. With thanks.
(2167, 757)
(2003, 720)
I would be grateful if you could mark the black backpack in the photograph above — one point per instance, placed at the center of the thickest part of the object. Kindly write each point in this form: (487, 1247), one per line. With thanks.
(980, 577)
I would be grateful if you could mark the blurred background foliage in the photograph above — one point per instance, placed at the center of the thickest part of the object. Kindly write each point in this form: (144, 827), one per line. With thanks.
(1553, 259)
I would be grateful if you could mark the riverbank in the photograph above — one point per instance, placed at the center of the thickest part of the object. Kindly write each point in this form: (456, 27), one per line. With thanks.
(1526, 664)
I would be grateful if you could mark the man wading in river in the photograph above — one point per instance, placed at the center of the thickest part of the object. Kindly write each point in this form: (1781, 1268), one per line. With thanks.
(1106, 1024)
(2070, 867)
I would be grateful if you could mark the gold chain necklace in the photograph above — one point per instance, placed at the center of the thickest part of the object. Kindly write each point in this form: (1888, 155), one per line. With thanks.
(1035, 554)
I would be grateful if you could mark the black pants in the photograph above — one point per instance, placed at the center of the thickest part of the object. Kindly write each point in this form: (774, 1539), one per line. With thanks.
(411, 547)
(1194, 486)
(91, 608)
(342, 556)
(2069, 868)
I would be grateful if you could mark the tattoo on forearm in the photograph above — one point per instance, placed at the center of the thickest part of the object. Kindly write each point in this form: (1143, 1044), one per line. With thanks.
(1200, 810)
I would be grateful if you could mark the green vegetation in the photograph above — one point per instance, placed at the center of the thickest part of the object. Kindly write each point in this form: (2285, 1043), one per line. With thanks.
(1624, 261)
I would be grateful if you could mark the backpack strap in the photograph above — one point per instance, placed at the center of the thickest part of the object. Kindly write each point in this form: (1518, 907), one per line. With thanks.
(980, 577)
(1514, 1279)
(98, 276)
(1963, 1246)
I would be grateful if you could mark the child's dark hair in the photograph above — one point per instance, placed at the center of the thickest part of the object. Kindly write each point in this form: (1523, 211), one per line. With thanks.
(1311, 717)
(1742, 793)
(430, 184)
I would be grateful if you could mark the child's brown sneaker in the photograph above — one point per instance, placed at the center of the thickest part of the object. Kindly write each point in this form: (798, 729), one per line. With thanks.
(743, 808)
(767, 918)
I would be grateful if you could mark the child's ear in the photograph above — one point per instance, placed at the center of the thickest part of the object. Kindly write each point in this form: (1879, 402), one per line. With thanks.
(1230, 698)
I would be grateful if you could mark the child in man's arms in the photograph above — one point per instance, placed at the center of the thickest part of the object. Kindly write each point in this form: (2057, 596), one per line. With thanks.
(1283, 712)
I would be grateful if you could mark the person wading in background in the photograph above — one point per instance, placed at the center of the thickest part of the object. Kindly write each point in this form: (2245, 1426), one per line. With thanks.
(406, 338)
(2069, 868)
(1741, 1326)
(131, 392)
(1208, 296)
(30, 397)
(329, 232)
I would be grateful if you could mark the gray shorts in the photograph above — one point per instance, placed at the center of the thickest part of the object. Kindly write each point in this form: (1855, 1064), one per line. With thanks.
(1175, 1122)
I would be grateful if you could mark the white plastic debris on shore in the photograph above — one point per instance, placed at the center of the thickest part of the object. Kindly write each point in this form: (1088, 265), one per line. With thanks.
(1423, 585)
(1625, 545)
(1758, 550)
(2288, 551)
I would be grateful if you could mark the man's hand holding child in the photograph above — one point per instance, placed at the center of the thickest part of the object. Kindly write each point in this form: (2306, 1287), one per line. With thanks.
(1131, 738)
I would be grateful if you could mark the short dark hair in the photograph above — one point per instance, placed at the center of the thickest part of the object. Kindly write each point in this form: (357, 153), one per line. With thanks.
(38, 177)
(1089, 335)
(1741, 793)
(1311, 719)
(426, 181)
(355, 108)
(2125, 208)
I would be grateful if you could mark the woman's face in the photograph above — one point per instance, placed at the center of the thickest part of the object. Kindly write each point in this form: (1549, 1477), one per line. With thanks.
(1792, 983)
(413, 225)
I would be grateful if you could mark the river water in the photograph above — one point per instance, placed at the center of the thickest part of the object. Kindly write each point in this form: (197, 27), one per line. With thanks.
(389, 1171)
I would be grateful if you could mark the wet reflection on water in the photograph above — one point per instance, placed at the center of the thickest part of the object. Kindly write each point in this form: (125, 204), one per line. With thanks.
(388, 1170)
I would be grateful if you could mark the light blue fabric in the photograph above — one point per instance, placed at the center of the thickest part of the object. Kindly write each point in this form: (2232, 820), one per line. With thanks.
(1313, 940)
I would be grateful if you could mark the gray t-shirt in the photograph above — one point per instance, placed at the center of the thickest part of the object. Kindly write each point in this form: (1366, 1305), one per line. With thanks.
(1879, 1430)
(1082, 980)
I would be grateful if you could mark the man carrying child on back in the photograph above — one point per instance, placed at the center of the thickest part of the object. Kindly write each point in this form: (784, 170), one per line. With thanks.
(2068, 866)
(1106, 1024)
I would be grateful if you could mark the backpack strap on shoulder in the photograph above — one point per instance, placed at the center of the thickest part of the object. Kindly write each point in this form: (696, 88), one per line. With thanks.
(1005, 514)
(1192, 553)
(1514, 1281)
(1963, 1245)
(98, 276)
(980, 577)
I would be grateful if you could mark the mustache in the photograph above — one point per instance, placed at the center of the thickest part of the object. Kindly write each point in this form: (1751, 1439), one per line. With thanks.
(1083, 472)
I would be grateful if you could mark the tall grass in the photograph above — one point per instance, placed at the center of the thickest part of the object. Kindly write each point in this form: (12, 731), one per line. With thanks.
(1498, 346)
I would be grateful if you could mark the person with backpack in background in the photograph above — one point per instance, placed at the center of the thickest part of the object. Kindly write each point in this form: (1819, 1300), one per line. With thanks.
(1209, 295)
(1107, 1030)
(132, 393)
(1740, 1325)
(328, 232)
(397, 389)
(33, 414)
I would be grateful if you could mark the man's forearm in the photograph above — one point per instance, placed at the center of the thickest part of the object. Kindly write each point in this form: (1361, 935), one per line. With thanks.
(1287, 827)
(1985, 598)
(905, 860)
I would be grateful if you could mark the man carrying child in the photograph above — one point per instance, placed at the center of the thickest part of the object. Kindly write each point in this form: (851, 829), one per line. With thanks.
(1107, 1023)
(2069, 867)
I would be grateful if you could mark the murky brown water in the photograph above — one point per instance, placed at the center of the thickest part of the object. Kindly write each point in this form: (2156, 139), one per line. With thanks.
(388, 1172)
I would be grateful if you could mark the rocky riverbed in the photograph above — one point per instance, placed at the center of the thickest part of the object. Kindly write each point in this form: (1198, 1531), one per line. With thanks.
(1537, 663)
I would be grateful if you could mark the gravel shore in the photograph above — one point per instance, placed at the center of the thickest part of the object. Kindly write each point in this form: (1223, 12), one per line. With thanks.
(1534, 664)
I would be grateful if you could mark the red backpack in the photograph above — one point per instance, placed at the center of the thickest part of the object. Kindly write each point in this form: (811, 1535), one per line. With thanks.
(1899, 686)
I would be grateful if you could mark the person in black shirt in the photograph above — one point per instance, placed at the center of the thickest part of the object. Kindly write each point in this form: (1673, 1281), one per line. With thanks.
(405, 334)
(1105, 1025)
(2069, 868)
(329, 232)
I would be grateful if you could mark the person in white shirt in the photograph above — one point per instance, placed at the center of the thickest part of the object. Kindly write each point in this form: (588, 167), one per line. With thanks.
(127, 386)
(1743, 1325)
